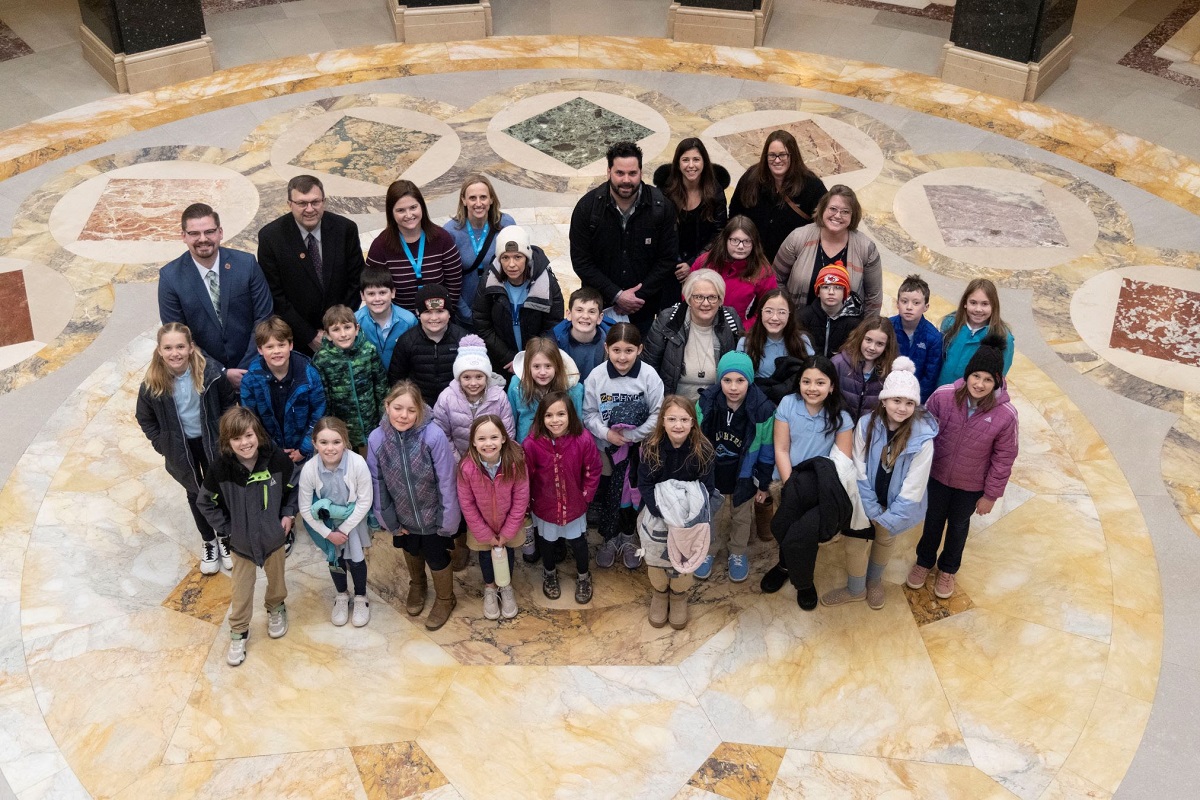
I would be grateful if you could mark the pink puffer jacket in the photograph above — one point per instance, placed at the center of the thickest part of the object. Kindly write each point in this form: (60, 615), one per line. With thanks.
(973, 453)
(452, 413)
(491, 507)
(563, 476)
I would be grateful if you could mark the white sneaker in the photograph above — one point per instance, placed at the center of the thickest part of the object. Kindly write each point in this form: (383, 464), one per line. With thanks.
(237, 652)
(491, 604)
(341, 609)
(277, 624)
(362, 611)
(223, 552)
(508, 602)
(208, 559)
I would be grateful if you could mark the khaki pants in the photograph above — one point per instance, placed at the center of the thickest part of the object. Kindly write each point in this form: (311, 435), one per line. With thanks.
(741, 523)
(243, 575)
(661, 581)
(859, 551)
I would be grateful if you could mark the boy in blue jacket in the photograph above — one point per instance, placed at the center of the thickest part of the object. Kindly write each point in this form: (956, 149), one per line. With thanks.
(379, 318)
(916, 337)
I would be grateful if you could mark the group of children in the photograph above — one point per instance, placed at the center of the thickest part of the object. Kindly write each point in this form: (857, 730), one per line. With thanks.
(399, 424)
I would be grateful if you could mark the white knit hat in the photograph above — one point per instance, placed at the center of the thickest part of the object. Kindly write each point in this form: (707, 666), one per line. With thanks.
(513, 237)
(900, 382)
(472, 355)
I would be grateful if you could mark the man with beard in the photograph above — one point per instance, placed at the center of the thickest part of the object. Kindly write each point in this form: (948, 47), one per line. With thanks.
(220, 294)
(623, 238)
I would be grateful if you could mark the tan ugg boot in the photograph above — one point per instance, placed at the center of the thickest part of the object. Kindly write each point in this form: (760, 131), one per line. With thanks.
(414, 604)
(658, 608)
(445, 601)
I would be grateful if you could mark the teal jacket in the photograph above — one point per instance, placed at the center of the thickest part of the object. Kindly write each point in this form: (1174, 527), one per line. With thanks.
(958, 353)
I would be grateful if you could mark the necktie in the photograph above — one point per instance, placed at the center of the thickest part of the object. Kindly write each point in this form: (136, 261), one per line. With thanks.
(214, 291)
(314, 252)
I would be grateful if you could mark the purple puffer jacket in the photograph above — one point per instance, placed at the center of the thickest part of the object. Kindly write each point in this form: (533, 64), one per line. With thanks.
(563, 476)
(452, 413)
(860, 396)
(975, 453)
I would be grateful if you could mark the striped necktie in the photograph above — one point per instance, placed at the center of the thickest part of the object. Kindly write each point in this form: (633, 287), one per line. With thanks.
(214, 291)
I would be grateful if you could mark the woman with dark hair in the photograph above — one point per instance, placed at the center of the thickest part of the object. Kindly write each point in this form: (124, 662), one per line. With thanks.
(697, 188)
(737, 257)
(832, 238)
(778, 193)
(414, 250)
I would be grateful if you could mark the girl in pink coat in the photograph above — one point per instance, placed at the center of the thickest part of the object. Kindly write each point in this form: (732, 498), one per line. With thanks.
(493, 492)
(564, 471)
(973, 455)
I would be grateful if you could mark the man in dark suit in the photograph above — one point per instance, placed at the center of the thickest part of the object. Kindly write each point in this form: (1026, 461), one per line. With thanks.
(220, 294)
(312, 260)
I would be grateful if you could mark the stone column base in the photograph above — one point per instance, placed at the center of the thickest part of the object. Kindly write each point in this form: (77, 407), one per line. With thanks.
(717, 26)
(1001, 77)
(441, 23)
(152, 69)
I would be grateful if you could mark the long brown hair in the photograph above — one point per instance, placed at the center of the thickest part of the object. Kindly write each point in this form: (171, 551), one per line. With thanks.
(893, 449)
(234, 423)
(512, 457)
(962, 396)
(574, 424)
(760, 181)
(399, 189)
(702, 449)
(793, 332)
(852, 349)
(460, 216)
(674, 189)
(545, 346)
(159, 379)
(995, 325)
(756, 259)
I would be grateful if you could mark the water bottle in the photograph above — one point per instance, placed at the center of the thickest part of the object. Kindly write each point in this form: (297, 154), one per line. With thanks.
(500, 566)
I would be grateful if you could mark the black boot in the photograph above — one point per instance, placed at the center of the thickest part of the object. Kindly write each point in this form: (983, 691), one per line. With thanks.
(774, 579)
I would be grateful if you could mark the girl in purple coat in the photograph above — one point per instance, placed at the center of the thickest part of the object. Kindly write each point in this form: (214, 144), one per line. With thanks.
(473, 394)
(564, 472)
(973, 456)
(863, 363)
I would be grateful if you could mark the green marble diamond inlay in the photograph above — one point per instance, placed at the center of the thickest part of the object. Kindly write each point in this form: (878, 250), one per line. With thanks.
(365, 150)
(577, 132)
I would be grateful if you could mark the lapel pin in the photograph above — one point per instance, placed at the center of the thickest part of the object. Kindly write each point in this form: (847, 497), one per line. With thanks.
(227, 266)
(302, 255)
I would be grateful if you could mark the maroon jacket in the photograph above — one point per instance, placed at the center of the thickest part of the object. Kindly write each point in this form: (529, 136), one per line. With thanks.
(563, 476)
(975, 453)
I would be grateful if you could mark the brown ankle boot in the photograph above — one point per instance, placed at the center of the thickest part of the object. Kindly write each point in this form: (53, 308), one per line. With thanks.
(443, 588)
(763, 514)
(679, 610)
(658, 608)
(414, 604)
(460, 556)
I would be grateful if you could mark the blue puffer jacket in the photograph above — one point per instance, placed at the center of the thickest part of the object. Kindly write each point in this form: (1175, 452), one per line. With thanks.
(907, 498)
(305, 405)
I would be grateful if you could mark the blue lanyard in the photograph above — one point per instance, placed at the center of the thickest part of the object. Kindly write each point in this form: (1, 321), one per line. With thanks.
(420, 259)
(477, 244)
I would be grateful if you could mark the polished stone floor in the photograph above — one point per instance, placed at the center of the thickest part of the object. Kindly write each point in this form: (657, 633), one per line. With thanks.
(1063, 668)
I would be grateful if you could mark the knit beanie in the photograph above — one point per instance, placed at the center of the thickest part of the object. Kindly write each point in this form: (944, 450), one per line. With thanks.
(735, 362)
(834, 274)
(513, 238)
(472, 355)
(428, 297)
(902, 381)
(989, 358)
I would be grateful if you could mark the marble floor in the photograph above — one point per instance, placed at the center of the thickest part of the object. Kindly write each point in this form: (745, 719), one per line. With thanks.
(1063, 668)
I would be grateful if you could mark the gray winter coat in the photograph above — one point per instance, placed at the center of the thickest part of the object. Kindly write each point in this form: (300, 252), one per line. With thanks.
(668, 337)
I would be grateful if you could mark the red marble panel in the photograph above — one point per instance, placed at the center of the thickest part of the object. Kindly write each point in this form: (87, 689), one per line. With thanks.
(146, 209)
(15, 324)
(1157, 321)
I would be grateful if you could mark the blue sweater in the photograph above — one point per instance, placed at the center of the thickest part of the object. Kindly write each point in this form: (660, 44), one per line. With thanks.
(925, 350)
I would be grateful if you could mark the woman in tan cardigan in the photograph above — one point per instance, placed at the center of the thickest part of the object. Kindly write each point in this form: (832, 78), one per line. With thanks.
(832, 238)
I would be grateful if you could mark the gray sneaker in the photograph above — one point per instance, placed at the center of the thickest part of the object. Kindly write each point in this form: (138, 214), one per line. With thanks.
(491, 603)
(606, 556)
(629, 551)
(277, 624)
(508, 602)
(237, 652)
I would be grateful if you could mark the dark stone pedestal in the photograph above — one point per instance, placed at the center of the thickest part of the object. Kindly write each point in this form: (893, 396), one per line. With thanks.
(139, 45)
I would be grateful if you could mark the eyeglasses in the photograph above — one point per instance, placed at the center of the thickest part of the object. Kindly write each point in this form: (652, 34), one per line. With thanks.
(739, 242)
(308, 203)
(838, 212)
(208, 234)
(705, 299)
(777, 156)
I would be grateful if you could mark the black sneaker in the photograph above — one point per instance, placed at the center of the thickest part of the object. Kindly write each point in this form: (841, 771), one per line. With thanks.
(583, 589)
(550, 586)
(774, 580)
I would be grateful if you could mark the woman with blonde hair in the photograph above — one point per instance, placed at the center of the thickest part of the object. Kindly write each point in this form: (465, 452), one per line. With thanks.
(474, 228)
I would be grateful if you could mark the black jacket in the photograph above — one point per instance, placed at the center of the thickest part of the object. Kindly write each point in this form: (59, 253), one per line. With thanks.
(827, 333)
(298, 295)
(783, 381)
(610, 258)
(668, 339)
(773, 217)
(247, 505)
(492, 311)
(833, 503)
(427, 363)
(159, 420)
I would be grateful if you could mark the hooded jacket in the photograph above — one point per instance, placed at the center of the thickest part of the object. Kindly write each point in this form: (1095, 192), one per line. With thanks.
(667, 341)
(827, 333)
(247, 504)
(907, 498)
(403, 320)
(414, 476)
(491, 506)
(305, 404)
(757, 461)
(957, 353)
(452, 413)
(355, 385)
(563, 476)
(859, 394)
(159, 420)
(973, 452)
(493, 312)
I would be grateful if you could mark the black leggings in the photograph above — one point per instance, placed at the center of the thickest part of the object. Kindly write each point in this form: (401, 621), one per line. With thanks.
(798, 547)
(485, 565)
(431, 547)
(579, 548)
(357, 570)
(613, 518)
(200, 465)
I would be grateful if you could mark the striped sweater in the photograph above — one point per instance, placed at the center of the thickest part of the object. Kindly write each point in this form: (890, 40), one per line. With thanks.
(441, 265)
